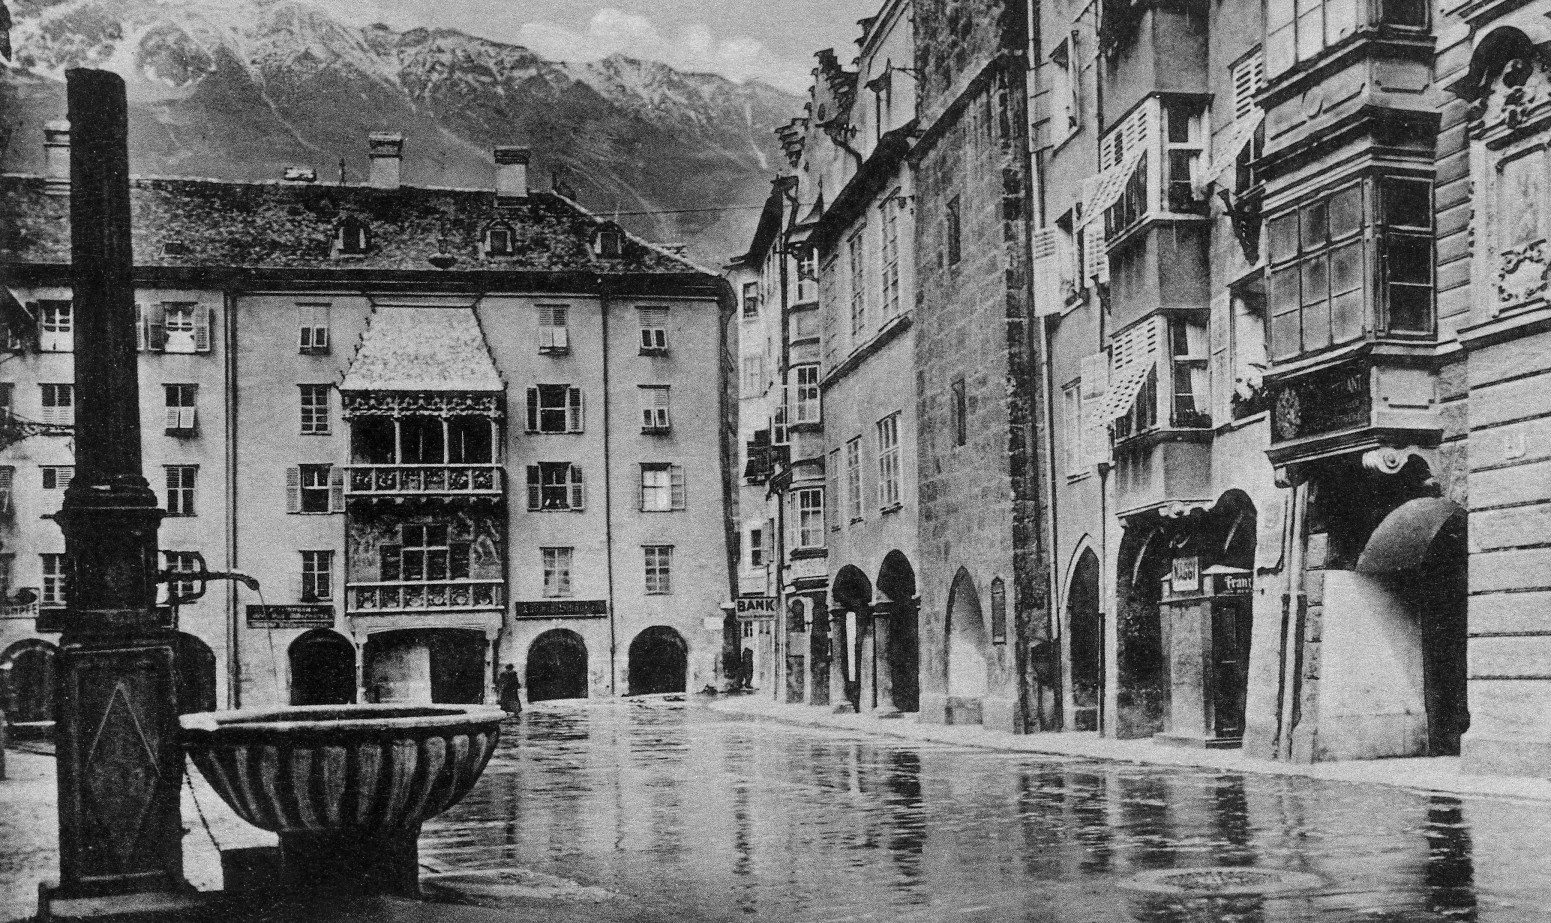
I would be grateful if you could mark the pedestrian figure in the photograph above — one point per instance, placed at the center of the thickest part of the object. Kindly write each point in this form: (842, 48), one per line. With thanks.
(746, 671)
(508, 689)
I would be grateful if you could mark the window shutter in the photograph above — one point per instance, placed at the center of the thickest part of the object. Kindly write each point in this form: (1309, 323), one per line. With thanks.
(188, 418)
(6, 475)
(293, 489)
(173, 416)
(1221, 369)
(156, 337)
(320, 337)
(562, 336)
(578, 493)
(533, 487)
(202, 330)
(391, 565)
(336, 489)
(676, 478)
(574, 410)
(640, 491)
(533, 410)
(141, 335)
(1049, 299)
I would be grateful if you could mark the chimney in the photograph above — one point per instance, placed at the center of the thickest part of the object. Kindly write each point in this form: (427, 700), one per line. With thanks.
(56, 154)
(387, 156)
(511, 173)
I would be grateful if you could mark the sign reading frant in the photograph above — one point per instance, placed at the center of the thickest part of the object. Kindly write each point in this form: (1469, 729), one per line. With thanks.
(301, 616)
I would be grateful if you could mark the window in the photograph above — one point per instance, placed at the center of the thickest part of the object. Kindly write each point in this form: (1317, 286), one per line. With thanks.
(810, 518)
(55, 578)
(1064, 81)
(888, 462)
(779, 434)
(808, 407)
(554, 409)
(57, 477)
(499, 240)
(654, 409)
(756, 547)
(180, 489)
(555, 486)
(55, 326)
(659, 569)
(315, 489)
(1298, 30)
(834, 509)
(1245, 377)
(59, 404)
(856, 264)
(315, 409)
(187, 328)
(312, 322)
(807, 275)
(1072, 430)
(853, 495)
(952, 232)
(182, 403)
(609, 244)
(959, 411)
(557, 571)
(751, 299)
(351, 237)
(662, 487)
(753, 375)
(182, 562)
(1183, 140)
(554, 334)
(424, 555)
(654, 331)
(1188, 363)
(1320, 266)
(317, 576)
(889, 256)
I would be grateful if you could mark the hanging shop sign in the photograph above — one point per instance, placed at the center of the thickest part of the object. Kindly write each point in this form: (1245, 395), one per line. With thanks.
(1233, 584)
(561, 608)
(1186, 575)
(300, 616)
(751, 608)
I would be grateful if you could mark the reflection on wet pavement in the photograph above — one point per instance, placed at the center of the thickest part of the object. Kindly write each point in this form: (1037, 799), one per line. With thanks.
(672, 812)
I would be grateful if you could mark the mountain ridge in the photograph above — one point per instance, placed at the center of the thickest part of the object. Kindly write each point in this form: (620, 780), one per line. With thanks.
(242, 89)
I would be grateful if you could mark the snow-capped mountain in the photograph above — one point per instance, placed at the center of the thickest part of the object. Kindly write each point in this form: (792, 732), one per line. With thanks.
(243, 89)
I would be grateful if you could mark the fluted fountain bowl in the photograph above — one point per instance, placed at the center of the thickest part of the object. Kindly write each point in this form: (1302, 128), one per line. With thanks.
(345, 786)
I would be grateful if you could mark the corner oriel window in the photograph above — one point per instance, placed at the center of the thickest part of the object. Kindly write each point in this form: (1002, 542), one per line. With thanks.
(807, 381)
(809, 521)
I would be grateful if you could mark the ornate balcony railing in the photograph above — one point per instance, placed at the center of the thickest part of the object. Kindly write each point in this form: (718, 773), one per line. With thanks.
(396, 596)
(424, 480)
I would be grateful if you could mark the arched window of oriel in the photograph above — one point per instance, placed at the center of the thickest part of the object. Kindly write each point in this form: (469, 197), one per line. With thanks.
(998, 611)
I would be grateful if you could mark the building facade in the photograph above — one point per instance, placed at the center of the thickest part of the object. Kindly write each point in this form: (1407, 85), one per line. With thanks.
(444, 429)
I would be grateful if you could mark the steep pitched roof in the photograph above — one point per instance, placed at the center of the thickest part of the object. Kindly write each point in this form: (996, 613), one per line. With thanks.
(422, 349)
(217, 223)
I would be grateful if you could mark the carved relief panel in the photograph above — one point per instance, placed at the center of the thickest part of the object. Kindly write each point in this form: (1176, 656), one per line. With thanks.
(1510, 157)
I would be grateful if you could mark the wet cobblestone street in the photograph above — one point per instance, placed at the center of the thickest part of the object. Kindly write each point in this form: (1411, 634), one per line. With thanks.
(666, 811)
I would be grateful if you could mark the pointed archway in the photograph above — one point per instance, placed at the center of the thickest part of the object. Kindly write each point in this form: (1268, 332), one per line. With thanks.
(967, 647)
(1085, 642)
(902, 653)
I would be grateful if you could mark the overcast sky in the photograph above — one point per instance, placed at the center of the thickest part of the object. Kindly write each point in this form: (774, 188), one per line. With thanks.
(771, 40)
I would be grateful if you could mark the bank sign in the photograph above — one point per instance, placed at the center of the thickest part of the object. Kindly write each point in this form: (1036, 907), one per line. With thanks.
(754, 608)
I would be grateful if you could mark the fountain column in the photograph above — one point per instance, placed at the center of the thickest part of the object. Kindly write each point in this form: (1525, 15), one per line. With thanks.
(120, 765)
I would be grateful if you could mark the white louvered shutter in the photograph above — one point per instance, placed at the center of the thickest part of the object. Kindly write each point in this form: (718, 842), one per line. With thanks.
(535, 490)
(1049, 297)
(578, 492)
(573, 409)
(336, 489)
(533, 410)
(676, 480)
(293, 489)
(202, 318)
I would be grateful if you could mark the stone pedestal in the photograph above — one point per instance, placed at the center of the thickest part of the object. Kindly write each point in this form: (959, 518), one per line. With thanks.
(344, 863)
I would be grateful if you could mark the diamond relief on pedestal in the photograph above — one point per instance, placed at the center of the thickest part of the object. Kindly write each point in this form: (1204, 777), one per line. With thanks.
(121, 777)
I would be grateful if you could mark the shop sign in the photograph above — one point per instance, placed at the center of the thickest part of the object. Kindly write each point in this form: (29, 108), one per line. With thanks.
(752, 608)
(561, 608)
(1186, 576)
(1324, 401)
(1235, 585)
(302, 616)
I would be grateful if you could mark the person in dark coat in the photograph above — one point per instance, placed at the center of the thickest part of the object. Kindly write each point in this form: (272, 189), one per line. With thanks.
(508, 691)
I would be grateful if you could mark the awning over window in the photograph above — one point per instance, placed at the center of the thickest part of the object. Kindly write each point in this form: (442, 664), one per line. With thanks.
(1402, 541)
(422, 349)
(1229, 146)
(1133, 357)
(1105, 189)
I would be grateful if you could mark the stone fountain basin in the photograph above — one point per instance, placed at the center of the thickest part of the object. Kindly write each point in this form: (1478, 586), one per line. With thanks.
(324, 769)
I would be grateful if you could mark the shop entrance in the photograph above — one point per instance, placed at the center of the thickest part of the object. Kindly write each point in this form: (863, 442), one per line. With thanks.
(322, 669)
(1231, 624)
(659, 662)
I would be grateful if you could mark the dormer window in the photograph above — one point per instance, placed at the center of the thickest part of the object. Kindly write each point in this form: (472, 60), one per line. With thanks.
(499, 240)
(351, 237)
(608, 243)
